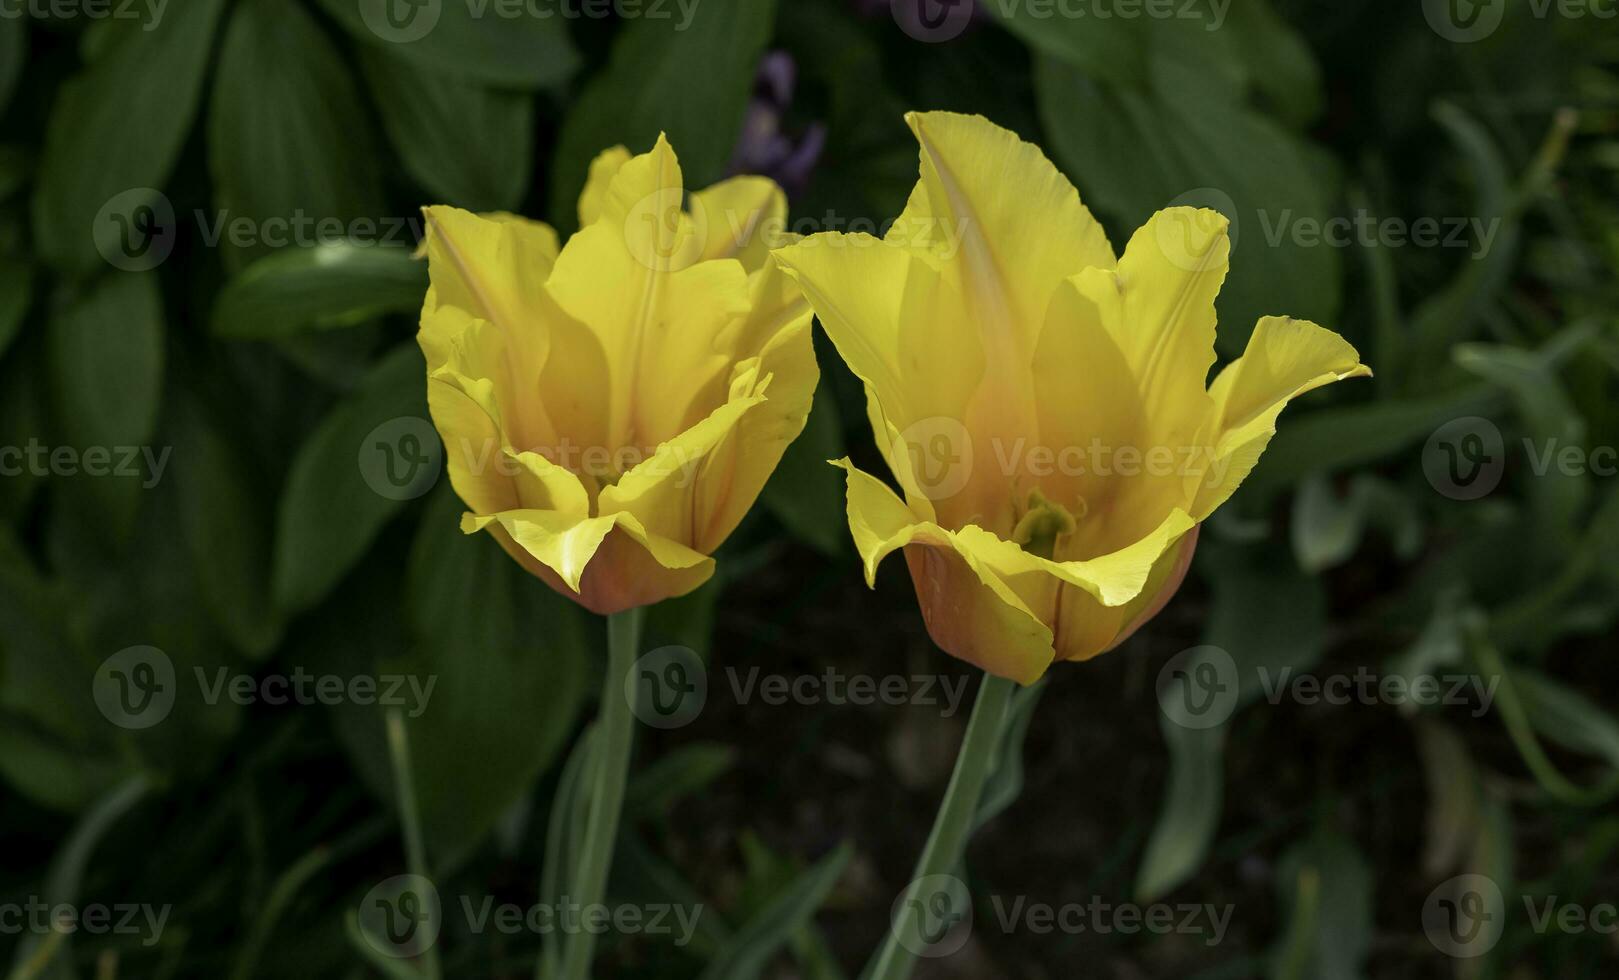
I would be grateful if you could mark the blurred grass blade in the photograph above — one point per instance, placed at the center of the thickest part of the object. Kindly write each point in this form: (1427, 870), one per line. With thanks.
(66, 875)
(1328, 891)
(684, 772)
(750, 950)
(1005, 780)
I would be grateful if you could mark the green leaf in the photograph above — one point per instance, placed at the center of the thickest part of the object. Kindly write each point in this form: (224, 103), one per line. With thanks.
(747, 954)
(225, 515)
(1453, 795)
(106, 369)
(508, 660)
(1005, 780)
(1267, 617)
(1327, 891)
(328, 286)
(805, 493)
(1340, 438)
(16, 290)
(476, 39)
(329, 512)
(468, 145)
(1567, 717)
(1449, 314)
(1135, 149)
(1553, 425)
(692, 83)
(116, 128)
(290, 146)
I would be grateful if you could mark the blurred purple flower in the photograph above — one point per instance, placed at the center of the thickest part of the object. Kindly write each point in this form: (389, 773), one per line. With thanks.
(764, 148)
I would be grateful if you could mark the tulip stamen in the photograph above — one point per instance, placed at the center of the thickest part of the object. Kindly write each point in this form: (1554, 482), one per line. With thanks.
(1043, 522)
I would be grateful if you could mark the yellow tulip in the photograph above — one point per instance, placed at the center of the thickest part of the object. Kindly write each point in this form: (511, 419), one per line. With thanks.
(1040, 401)
(610, 408)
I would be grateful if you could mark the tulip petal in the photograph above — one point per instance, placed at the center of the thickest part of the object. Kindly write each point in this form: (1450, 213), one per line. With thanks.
(662, 326)
(602, 171)
(1169, 277)
(970, 612)
(740, 219)
(901, 330)
(983, 198)
(1285, 358)
(564, 543)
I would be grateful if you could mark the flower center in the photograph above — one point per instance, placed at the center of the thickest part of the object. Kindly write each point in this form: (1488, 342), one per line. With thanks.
(1041, 524)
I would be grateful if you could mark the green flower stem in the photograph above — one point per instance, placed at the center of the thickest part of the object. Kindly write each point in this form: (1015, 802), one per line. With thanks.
(609, 766)
(410, 818)
(954, 822)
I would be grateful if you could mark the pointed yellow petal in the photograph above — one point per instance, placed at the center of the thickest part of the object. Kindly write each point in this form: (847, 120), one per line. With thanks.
(1285, 358)
(564, 543)
(602, 170)
(970, 612)
(1169, 276)
(742, 218)
(902, 331)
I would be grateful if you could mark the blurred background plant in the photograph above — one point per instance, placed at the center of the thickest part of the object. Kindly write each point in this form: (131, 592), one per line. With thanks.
(207, 216)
